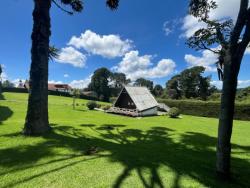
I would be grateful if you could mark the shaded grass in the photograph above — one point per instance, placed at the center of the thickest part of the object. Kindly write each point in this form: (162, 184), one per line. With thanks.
(146, 152)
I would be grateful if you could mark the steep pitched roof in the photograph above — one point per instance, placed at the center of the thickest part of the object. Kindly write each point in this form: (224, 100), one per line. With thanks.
(141, 97)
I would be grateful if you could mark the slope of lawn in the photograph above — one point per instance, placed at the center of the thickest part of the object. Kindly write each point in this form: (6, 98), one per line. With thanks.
(132, 152)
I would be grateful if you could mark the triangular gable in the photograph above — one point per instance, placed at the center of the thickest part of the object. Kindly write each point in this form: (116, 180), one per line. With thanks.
(141, 97)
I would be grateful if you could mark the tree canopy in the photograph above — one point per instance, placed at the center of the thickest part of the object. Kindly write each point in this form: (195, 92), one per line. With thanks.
(144, 82)
(100, 83)
(189, 84)
(158, 90)
(119, 80)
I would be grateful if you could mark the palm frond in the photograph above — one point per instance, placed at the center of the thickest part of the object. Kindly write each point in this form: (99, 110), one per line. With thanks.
(112, 4)
(76, 5)
(53, 53)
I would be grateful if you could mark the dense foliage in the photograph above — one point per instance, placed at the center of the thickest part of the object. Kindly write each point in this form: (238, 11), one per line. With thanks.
(243, 94)
(91, 105)
(100, 83)
(174, 112)
(107, 84)
(207, 108)
(190, 84)
(118, 80)
(7, 84)
(158, 90)
(144, 82)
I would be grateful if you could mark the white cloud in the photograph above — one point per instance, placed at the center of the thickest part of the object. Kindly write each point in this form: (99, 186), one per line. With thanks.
(80, 84)
(207, 60)
(55, 82)
(70, 55)
(241, 83)
(65, 75)
(191, 25)
(216, 83)
(226, 9)
(109, 46)
(167, 28)
(135, 66)
(170, 26)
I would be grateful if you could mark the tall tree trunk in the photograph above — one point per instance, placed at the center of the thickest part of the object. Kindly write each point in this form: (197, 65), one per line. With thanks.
(231, 70)
(37, 112)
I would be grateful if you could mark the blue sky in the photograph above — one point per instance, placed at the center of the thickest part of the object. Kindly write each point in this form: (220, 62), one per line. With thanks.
(139, 39)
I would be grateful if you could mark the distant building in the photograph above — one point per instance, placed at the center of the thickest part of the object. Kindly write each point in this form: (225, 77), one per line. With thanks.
(52, 87)
(135, 101)
(90, 93)
(59, 87)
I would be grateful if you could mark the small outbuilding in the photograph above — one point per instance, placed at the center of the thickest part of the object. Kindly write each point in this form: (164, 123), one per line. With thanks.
(135, 101)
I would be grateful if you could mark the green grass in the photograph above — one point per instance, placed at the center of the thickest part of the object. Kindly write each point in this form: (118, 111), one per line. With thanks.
(138, 152)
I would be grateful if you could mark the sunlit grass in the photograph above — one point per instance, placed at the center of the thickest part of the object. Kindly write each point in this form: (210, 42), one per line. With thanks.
(132, 152)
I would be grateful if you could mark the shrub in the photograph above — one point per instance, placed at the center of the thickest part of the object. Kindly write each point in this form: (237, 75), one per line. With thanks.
(174, 112)
(106, 107)
(112, 99)
(98, 105)
(206, 108)
(91, 105)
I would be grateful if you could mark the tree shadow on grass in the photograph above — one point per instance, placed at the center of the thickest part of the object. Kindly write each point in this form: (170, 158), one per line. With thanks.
(5, 113)
(193, 155)
(139, 151)
(1, 96)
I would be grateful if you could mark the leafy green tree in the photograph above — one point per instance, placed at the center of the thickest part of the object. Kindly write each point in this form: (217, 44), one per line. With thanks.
(119, 79)
(173, 87)
(189, 84)
(190, 81)
(205, 89)
(100, 83)
(158, 90)
(146, 83)
(37, 121)
(7, 84)
(243, 94)
(233, 39)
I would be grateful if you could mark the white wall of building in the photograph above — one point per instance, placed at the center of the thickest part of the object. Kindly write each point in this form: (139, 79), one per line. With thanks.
(149, 112)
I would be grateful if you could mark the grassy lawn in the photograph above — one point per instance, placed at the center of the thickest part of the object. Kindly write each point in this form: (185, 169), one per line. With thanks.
(138, 152)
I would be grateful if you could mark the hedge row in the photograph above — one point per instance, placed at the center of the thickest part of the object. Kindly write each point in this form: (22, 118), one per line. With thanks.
(56, 93)
(206, 108)
(15, 90)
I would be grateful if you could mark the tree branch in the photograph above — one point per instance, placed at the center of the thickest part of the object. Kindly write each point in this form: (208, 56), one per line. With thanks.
(243, 12)
(64, 10)
(246, 36)
(207, 48)
(221, 37)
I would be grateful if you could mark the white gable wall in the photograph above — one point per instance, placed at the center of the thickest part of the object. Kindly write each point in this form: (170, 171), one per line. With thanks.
(149, 112)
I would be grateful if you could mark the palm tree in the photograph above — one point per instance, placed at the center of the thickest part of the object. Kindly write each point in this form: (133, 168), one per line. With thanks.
(37, 121)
